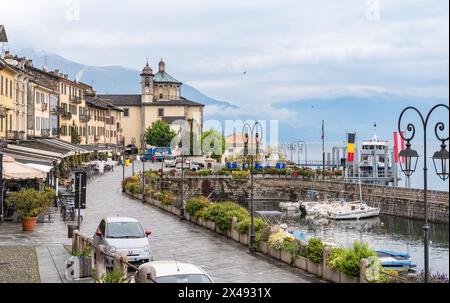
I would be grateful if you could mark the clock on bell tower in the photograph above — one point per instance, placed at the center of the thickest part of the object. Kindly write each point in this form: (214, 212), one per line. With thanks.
(147, 84)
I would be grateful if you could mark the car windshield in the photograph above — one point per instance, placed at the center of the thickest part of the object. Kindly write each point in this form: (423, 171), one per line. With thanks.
(194, 278)
(124, 230)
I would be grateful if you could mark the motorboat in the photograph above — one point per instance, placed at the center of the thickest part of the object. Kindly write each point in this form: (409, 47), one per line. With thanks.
(395, 261)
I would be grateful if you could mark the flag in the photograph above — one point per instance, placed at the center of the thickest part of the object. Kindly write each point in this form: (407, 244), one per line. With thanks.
(402, 142)
(396, 147)
(351, 147)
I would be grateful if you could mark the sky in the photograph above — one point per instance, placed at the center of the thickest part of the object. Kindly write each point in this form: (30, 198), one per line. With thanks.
(254, 52)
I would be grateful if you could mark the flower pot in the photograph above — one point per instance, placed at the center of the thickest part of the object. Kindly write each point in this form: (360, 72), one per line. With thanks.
(28, 224)
(234, 235)
(244, 239)
(78, 267)
(301, 262)
(315, 268)
(348, 279)
(264, 247)
(285, 256)
(211, 225)
(331, 275)
(275, 253)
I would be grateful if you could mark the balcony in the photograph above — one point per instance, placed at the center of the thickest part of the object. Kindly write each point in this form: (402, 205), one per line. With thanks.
(45, 133)
(85, 118)
(66, 115)
(15, 135)
(75, 99)
(58, 110)
(44, 106)
(2, 111)
(96, 138)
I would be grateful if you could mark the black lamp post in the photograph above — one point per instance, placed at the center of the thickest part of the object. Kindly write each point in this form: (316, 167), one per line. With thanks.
(143, 176)
(440, 161)
(258, 139)
(180, 144)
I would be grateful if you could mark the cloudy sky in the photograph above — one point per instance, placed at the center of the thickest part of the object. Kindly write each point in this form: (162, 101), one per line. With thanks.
(252, 52)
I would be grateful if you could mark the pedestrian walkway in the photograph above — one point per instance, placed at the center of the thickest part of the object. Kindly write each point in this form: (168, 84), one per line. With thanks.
(224, 259)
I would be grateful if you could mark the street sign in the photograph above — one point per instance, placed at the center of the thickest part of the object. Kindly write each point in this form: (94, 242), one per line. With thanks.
(80, 190)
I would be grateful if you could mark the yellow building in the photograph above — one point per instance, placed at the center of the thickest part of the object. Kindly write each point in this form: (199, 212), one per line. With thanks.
(160, 99)
(7, 75)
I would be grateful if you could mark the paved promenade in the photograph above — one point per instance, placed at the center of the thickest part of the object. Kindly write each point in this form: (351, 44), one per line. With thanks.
(224, 259)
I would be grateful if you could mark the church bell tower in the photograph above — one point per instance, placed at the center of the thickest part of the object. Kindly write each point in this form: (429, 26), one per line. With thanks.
(146, 97)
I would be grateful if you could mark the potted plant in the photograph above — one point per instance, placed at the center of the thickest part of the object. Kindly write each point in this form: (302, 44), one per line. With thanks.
(331, 264)
(28, 204)
(350, 261)
(301, 255)
(79, 265)
(315, 256)
(276, 243)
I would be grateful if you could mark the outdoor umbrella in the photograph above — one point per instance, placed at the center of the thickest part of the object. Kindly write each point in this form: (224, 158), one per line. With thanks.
(13, 170)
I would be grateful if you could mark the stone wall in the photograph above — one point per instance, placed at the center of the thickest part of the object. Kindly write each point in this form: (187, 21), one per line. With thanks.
(401, 202)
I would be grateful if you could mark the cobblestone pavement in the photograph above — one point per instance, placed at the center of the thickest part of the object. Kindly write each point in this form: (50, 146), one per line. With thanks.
(224, 259)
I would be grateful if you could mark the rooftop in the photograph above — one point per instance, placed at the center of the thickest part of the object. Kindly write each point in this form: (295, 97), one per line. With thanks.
(163, 77)
(135, 100)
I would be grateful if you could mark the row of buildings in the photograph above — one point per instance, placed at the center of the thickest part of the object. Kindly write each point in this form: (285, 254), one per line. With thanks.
(40, 103)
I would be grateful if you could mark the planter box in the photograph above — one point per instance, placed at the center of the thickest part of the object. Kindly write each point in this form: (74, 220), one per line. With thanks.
(264, 247)
(348, 279)
(315, 268)
(331, 275)
(158, 203)
(235, 235)
(285, 256)
(168, 208)
(226, 233)
(244, 239)
(275, 253)
(211, 225)
(187, 216)
(176, 211)
(78, 267)
(138, 196)
(200, 221)
(301, 262)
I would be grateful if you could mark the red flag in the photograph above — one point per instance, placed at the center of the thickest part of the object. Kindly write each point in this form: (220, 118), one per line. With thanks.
(396, 147)
(402, 142)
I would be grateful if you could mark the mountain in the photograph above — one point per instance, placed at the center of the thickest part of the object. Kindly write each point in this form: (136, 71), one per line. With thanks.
(107, 79)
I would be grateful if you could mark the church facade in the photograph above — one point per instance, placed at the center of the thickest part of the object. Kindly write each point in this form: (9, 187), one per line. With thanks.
(160, 99)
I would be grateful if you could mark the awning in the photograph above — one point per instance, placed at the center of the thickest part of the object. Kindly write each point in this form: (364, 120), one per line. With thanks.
(44, 168)
(13, 170)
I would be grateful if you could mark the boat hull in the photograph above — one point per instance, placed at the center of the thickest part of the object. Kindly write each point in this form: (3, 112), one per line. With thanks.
(355, 214)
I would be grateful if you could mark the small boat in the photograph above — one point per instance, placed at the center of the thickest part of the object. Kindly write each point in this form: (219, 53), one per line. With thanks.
(395, 260)
(353, 211)
(300, 235)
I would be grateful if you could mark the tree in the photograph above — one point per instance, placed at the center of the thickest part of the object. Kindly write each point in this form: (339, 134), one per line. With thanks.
(74, 138)
(159, 134)
(213, 143)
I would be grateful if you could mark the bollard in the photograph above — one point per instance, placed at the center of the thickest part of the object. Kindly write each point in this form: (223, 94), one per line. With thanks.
(76, 241)
(412, 278)
(362, 271)
(146, 274)
(100, 262)
(119, 262)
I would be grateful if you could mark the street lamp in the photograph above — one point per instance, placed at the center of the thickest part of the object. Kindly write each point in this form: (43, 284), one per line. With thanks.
(306, 152)
(143, 176)
(180, 145)
(440, 161)
(258, 139)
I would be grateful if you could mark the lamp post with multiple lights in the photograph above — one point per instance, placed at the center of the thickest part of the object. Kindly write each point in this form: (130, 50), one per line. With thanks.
(257, 140)
(440, 161)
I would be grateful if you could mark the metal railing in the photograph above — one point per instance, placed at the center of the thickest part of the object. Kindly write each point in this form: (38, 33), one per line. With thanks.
(15, 135)
(66, 115)
(44, 106)
(45, 132)
(85, 118)
(75, 99)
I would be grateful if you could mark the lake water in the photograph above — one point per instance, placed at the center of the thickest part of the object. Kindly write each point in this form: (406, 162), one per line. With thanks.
(383, 232)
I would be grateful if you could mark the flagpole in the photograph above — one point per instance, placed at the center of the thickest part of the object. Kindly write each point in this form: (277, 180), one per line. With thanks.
(323, 151)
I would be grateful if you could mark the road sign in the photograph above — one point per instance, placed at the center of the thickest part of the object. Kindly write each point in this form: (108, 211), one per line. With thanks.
(80, 190)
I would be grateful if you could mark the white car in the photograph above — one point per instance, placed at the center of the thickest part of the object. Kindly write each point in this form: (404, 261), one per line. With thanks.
(126, 235)
(171, 272)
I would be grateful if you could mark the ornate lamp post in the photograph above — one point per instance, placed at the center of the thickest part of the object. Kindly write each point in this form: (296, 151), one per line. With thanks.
(301, 142)
(257, 140)
(440, 161)
(143, 176)
(182, 177)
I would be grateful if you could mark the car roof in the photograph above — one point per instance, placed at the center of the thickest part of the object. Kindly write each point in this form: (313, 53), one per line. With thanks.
(120, 219)
(170, 268)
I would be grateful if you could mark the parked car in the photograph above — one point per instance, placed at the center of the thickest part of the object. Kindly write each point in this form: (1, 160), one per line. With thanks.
(172, 272)
(124, 234)
(131, 149)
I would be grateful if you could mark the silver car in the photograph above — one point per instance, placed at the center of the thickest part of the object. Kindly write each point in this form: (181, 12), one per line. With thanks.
(125, 235)
(171, 272)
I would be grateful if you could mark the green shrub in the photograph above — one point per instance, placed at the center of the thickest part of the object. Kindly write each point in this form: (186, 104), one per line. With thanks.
(315, 250)
(149, 192)
(280, 240)
(150, 177)
(134, 187)
(86, 252)
(243, 227)
(127, 180)
(222, 213)
(240, 174)
(112, 276)
(195, 205)
(301, 249)
(350, 260)
(29, 202)
(167, 198)
(205, 172)
(334, 257)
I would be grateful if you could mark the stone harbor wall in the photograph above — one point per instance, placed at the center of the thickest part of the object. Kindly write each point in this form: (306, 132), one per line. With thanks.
(270, 190)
